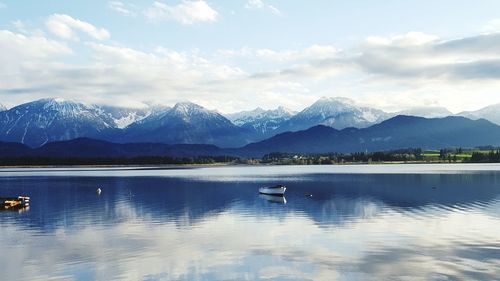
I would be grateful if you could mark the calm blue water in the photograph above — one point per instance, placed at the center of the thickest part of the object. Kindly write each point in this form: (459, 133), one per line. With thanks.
(390, 222)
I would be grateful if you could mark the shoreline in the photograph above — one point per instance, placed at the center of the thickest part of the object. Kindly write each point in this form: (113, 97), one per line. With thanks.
(153, 166)
(192, 166)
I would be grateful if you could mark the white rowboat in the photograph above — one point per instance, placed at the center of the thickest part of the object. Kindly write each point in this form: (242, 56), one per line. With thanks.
(273, 190)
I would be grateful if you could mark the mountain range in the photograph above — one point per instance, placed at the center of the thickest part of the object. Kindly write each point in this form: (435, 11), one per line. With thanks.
(351, 126)
(395, 133)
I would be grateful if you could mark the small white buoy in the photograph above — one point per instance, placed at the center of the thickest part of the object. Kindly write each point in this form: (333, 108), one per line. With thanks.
(98, 191)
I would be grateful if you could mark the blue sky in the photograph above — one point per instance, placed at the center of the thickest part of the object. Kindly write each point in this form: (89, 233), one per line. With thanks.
(240, 54)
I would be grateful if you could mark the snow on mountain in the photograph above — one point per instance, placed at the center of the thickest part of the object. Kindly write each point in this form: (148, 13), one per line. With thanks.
(55, 119)
(46, 120)
(182, 112)
(186, 122)
(122, 117)
(36, 123)
(426, 111)
(490, 113)
(242, 117)
(2, 107)
(338, 113)
(261, 121)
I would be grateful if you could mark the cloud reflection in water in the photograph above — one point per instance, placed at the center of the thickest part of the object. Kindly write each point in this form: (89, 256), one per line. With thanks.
(370, 227)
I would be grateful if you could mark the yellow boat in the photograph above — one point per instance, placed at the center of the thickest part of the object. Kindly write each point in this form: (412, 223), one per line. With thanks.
(7, 203)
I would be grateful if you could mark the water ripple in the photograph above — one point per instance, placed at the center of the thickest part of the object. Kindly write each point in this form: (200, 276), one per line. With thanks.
(354, 226)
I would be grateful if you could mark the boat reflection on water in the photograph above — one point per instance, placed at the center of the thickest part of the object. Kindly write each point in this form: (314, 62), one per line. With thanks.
(274, 198)
(18, 209)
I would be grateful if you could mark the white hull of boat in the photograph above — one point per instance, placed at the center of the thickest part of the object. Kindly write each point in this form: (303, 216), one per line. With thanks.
(273, 191)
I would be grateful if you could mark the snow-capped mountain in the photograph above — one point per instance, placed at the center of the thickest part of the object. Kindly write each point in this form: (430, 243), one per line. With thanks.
(46, 120)
(36, 123)
(186, 122)
(262, 122)
(338, 113)
(426, 111)
(490, 113)
(2, 107)
(54, 119)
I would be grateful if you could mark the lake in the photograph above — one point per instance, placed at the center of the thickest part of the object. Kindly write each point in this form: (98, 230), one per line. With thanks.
(361, 222)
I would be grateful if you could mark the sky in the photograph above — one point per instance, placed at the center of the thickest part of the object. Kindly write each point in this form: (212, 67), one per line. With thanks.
(241, 54)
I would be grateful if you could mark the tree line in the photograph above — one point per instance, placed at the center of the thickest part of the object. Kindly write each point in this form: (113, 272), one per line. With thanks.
(402, 155)
(148, 160)
(490, 157)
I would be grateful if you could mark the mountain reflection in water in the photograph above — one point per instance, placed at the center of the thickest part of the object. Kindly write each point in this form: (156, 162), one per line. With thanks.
(354, 227)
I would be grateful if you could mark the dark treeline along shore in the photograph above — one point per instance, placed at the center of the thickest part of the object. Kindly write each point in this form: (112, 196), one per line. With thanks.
(96, 152)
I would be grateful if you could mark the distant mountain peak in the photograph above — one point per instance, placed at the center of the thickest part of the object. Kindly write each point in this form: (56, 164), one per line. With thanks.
(189, 108)
(61, 107)
(56, 101)
(262, 122)
(183, 104)
(55, 119)
(331, 105)
(187, 122)
(45, 120)
(336, 112)
(193, 114)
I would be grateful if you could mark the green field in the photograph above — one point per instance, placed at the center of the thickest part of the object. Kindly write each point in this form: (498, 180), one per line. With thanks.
(464, 155)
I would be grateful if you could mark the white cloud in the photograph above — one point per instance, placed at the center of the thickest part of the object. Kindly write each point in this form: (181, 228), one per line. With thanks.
(408, 39)
(394, 72)
(186, 12)
(64, 26)
(492, 26)
(313, 52)
(259, 4)
(122, 8)
(17, 50)
(116, 73)
(22, 58)
(391, 72)
(427, 57)
(272, 59)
